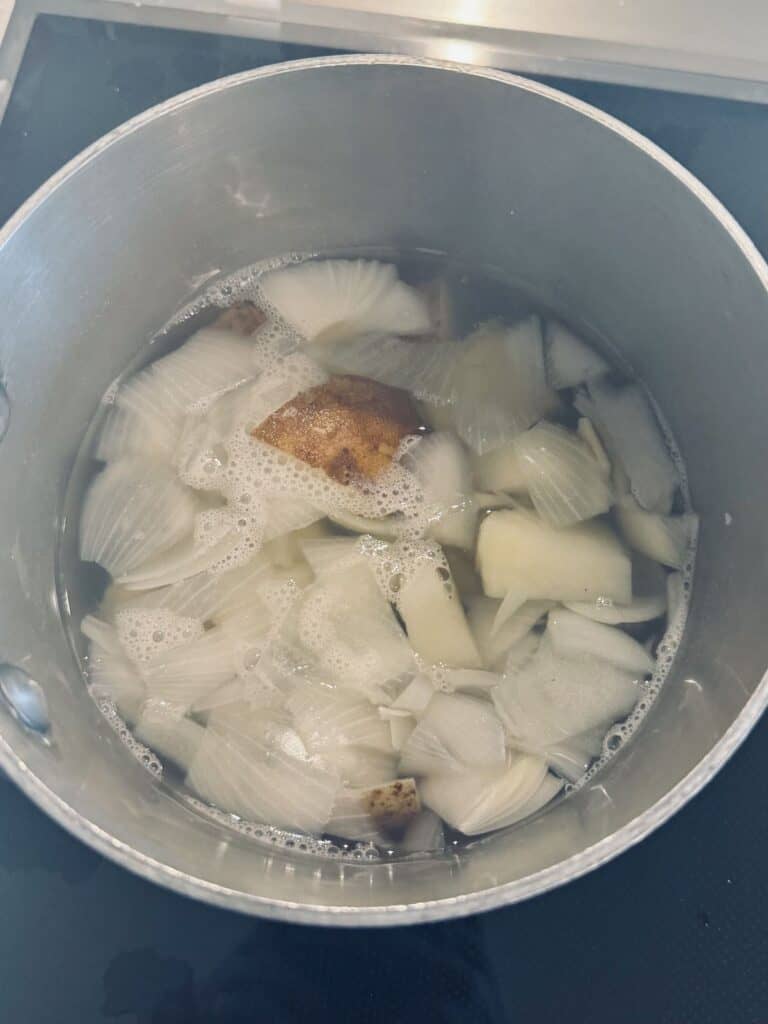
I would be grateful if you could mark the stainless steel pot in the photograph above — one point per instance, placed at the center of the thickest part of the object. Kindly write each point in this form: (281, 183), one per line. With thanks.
(394, 151)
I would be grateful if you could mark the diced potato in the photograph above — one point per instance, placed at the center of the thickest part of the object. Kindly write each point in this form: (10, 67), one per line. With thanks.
(435, 621)
(516, 550)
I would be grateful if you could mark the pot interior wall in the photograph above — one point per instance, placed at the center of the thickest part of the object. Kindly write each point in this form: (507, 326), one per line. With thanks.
(342, 155)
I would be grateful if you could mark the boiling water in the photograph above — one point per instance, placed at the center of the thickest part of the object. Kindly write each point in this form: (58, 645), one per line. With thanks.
(477, 297)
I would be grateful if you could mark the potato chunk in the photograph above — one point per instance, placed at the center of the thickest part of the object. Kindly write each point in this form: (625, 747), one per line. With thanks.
(349, 426)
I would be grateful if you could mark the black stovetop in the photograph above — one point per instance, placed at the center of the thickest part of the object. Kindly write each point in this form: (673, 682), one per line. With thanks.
(673, 932)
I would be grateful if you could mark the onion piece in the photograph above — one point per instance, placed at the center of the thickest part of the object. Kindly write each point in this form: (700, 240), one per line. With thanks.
(574, 636)
(263, 778)
(348, 625)
(387, 528)
(641, 609)
(425, 754)
(400, 728)
(550, 698)
(224, 537)
(182, 675)
(499, 384)
(489, 501)
(439, 462)
(500, 470)
(329, 719)
(494, 645)
(415, 697)
(570, 361)
(134, 509)
(145, 419)
(481, 801)
(564, 480)
(168, 733)
(582, 562)
(589, 436)
(629, 429)
(571, 757)
(111, 675)
(330, 300)
(424, 369)
(469, 728)
(470, 680)
(666, 539)
(210, 363)
(103, 634)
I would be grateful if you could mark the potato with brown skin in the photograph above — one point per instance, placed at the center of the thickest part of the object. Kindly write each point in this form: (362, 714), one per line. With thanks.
(244, 318)
(349, 427)
(393, 805)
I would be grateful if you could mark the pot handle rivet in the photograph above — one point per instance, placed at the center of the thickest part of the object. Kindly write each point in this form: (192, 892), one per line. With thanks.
(25, 698)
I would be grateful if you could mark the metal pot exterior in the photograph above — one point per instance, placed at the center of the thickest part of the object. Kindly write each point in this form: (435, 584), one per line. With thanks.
(383, 151)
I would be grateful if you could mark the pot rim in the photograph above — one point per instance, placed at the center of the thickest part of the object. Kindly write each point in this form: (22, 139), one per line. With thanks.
(448, 907)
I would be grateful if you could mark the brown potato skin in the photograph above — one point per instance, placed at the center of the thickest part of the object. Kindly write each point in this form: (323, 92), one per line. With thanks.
(349, 427)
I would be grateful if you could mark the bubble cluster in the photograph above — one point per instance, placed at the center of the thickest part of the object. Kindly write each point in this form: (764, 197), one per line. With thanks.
(146, 632)
(295, 842)
(143, 754)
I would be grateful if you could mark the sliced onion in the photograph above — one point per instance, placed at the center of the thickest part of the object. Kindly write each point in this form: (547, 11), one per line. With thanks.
(516, 550)
(346, 622)
(470, 680)
(146, 633)
(184, 674)
(487, 500)
(169, 733)
(329, 555)
(641, 609)
(469, 728)
(224, 537)
(629, 429)
(387, 528)
(101, 633)
(589, 436)
(665, 539)
(263, 778)
(415, 697)
(480, 801)
(571, 757)
(112, 675)
(570, 361)
(564, 480)
(330, 300)
(135, 509)
(494, 645)
(574, 636)
(210, 363)
(424, 368)
(329, 719)
(145, 420)
(439, 462)
(359, 766)
(425, 754)
(500, 470)
(400, 728)
(499, 384)
(551, 698)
